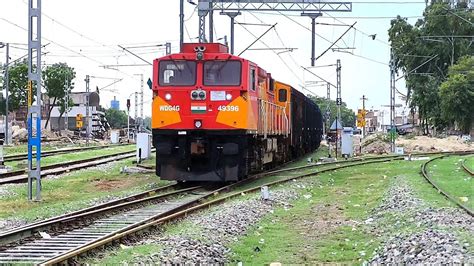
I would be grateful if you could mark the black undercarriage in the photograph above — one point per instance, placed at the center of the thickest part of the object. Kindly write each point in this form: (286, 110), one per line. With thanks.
(222, 156)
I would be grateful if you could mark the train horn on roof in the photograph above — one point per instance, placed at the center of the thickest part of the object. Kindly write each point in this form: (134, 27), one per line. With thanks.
(199, 49)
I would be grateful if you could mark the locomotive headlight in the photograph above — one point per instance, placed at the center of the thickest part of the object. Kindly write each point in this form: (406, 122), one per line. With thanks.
(228, 96)
(202, 95)
(198, 123)
(194, 95)
(168, 96)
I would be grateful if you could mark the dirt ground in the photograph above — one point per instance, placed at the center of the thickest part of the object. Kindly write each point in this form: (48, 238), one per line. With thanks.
(377, 144)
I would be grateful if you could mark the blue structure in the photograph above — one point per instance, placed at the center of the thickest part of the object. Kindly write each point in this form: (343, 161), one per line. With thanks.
(115, 104)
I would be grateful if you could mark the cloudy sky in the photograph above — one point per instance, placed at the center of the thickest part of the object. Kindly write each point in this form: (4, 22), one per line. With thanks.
(86, 34)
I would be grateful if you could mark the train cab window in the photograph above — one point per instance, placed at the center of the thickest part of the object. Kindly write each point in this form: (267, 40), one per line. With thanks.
(177, 73)
(222, 73)
(252, 79)
(270, 87)
(282, 95)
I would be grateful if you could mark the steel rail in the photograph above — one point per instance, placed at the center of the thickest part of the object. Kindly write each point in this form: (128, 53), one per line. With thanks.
(61, 222)
(162, 218)
(158, 221)
(467, 168)
(20, 176)
(425, 174)
(140, 195)
(348, 163)
(24, 156)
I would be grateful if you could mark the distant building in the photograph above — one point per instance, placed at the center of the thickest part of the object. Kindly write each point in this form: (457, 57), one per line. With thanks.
(97, 122)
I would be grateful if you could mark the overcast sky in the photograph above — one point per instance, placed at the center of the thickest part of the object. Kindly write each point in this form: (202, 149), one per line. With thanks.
(86, 34)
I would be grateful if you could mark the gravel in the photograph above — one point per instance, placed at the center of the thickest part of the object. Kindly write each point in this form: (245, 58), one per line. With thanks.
(210, 232)
(8, 224)
(427, 247)
(433, 241)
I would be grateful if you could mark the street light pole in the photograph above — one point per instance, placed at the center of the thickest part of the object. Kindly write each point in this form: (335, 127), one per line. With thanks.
(7, 88)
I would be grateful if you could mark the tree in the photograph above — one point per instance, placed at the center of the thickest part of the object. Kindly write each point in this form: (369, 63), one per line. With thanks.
(116, 118)
(57, 80)
(457, 94)
(347, 115)
(424, 52)
(18, 84)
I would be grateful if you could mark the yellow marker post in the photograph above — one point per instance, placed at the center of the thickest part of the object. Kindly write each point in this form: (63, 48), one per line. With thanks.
(30, 92)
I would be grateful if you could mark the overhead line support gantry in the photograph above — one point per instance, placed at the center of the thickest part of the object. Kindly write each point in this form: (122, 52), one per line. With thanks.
(232, 8)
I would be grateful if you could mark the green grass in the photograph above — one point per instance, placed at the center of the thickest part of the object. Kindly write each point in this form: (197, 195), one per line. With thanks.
(343, 195)
(73, 156)
(327, 227)
(23, 148)
(447, 173)
(74, 191)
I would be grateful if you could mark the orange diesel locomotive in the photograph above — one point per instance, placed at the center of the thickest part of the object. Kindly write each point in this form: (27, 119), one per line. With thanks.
(219, 117)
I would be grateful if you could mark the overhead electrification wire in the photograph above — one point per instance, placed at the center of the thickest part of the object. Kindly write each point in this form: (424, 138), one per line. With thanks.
(360, 56)
(279, 56)
(302, 83)
(63, 46)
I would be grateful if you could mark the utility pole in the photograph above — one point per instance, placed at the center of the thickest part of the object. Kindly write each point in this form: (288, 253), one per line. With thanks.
(66, 118)
(363, 114)
(7, 89)
(87, 110)
(338, 102)
(181, 25)
(232, 16)
(136, 107)
(141, 95)
(128, 118)
(392, 101)
(313, 17)
(211, 25)
(328, 117)
(34, 110)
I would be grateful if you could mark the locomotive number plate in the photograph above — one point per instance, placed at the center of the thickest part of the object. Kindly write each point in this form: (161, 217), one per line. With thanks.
(228, 108)
(169, 108)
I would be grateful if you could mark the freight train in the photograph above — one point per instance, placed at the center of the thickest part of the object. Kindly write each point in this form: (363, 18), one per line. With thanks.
(220, 117)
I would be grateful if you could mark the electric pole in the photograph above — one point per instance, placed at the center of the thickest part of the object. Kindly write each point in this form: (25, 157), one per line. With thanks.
(392, 101)
(66, 118)
(338, 103)
(328, 117)
(363, 114)
(34, 110)
(181, 25)
(7, 88)
(232, 16)
(87, 110)
(313, 17)
(141, 95)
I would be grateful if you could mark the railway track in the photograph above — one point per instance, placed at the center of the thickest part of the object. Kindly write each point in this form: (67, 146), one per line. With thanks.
(467, 168)
(21, 176)
(24, 156)
(79, 229)
(65, 244)
(450, 197)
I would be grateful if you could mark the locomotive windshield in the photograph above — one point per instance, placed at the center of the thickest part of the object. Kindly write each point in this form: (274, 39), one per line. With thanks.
(222, 73)
(177, 73)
